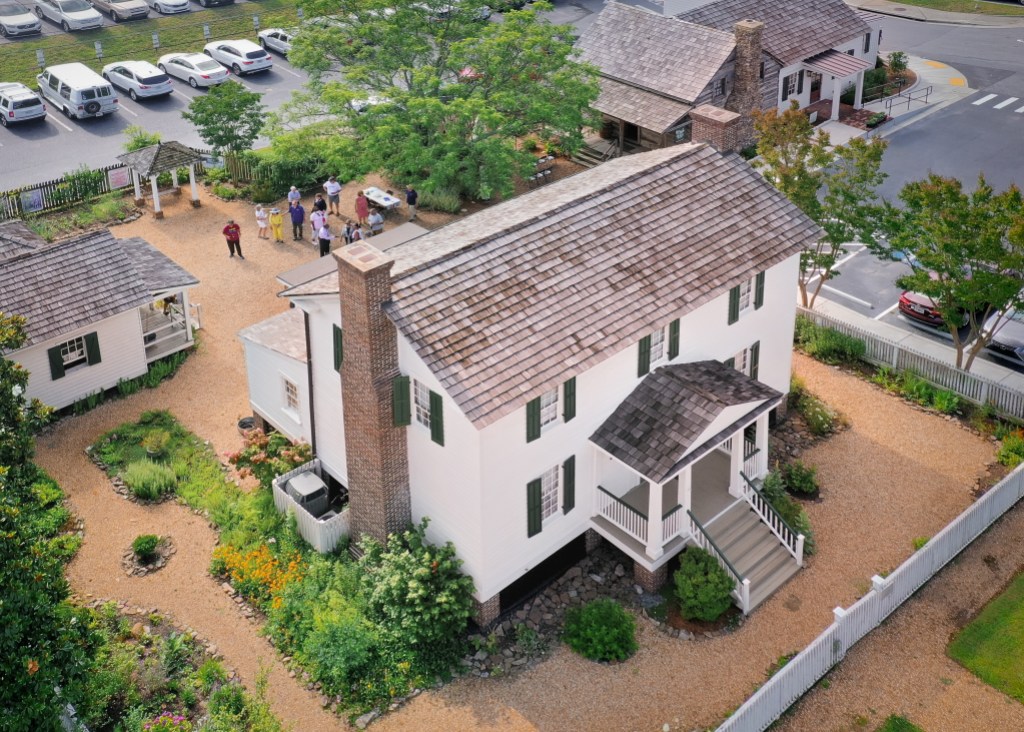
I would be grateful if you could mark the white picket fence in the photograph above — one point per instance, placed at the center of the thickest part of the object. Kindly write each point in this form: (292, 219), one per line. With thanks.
(883, 352)
(321, 535)
(807, 667)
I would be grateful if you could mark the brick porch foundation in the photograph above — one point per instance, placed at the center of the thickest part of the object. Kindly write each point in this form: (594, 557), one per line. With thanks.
(650, 581)
(592, 540)
(485, 613)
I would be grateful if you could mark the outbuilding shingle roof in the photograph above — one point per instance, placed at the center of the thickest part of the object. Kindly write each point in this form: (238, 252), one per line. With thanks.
(653, 52)
(159, 158)
(283, 333)
(656, 429)
(643, 108)
(16, 238)
(158, 271)
(793, 29)
(508, 303)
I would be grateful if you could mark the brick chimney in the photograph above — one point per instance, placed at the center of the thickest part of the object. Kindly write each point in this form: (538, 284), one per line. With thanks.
(378, 462)
(746, 91)
(717, 126)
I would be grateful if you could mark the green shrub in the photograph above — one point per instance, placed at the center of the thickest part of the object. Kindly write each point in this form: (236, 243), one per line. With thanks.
(703, 587)
(774, 490)
(800, 479)
(127, 387)
(916, 389)
(443, 200)
(175, 653)
(211, 674)
(144, 547)
(156, 442)
(340, 647)
(148, 480)
(946, 401)
(919, 542)
(601, 631)
(825, 344)
(821, 419)
(876, 119)
(749, 152)
(1011, 451)
(223, 191)
(262, 192)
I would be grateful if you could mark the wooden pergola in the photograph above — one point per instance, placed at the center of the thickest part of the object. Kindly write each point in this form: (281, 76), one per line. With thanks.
(150, 162)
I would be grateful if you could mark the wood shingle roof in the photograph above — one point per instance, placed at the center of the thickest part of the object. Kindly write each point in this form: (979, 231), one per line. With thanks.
(510, 302)
(159, 158)
(640, 107)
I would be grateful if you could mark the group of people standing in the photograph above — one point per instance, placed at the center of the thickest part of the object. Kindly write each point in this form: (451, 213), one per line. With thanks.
(369, 221)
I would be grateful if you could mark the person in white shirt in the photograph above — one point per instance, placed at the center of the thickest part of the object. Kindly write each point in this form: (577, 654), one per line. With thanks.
(333, 190)
(376, 223)
(325, 237)
(316, 220)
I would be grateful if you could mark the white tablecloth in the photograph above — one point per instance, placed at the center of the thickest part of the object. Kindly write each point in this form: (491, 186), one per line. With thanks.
(382, 199)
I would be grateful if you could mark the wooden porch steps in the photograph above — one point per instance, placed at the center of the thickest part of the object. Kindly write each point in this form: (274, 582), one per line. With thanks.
(753, 550)
(588, 157)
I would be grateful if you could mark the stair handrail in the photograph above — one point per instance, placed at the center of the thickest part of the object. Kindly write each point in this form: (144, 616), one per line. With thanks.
(793, 540)
(618, 500)
(608, 154)
(704, 540)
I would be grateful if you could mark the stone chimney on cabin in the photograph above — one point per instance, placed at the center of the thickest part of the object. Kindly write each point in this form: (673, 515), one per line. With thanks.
(378, 462)
(717, 126)
(746, 91)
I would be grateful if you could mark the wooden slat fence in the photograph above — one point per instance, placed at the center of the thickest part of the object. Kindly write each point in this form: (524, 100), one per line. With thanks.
(805, 669)
(322, 535)
(883, 352)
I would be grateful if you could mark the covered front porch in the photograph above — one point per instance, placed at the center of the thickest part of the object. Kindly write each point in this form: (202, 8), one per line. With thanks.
(167, 324)
(831, 72)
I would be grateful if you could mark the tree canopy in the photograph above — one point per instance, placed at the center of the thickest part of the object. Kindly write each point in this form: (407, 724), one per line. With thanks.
(431, 94)
(834, 186)
(229, 117)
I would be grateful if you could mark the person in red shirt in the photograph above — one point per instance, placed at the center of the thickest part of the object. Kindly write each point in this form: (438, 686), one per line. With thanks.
(233, 235)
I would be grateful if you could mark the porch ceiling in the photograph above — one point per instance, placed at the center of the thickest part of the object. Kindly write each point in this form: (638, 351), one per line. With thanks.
(837, 64)
(662, 426)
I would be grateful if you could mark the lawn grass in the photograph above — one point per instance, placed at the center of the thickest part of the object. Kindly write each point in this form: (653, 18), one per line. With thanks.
(991, 646)
(981, 7)
(898, 724)
(134, 40)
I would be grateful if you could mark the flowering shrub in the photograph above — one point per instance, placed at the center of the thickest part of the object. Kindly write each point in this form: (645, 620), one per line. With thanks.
(257, 573)
(168, 722)
(268, 456)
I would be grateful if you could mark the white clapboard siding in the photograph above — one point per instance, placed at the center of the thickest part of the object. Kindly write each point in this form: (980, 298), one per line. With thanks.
(266, 370)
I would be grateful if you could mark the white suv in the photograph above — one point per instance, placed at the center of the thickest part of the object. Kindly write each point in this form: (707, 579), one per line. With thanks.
(69, 14)
(138, 78)
(18, 103)
(242, 57)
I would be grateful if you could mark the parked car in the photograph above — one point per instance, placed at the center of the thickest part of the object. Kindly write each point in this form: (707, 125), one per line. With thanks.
(18, 103)
(444, 12)
(138, 78)
(77, 90)
(241, 56)
(276, 39)
(921, 308)
(119, 10)
(69, 14)
(195, 68)
(17, 20)
(1008, 340)
(169, 7)
(212, 3)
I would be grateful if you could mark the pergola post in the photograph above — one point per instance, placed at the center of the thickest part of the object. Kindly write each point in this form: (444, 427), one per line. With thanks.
(139, 200)
(858, 97)
(193, 186)
(174, 180)
(837, 89)
(157, 211)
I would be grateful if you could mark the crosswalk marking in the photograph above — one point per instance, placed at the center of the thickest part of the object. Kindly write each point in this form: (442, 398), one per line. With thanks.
(1006, 103)
(988, 98)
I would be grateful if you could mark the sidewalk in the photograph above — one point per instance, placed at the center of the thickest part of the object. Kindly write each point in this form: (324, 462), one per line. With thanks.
(928, 15)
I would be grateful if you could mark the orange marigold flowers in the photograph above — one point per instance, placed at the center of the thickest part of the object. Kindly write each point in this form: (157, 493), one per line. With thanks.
(258, 573)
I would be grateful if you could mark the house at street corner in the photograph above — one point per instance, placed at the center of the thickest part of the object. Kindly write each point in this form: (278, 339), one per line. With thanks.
(661, 74)
(596, 359)
(98, 309)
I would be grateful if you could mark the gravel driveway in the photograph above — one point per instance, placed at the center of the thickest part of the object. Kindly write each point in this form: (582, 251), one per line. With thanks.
(883, 485)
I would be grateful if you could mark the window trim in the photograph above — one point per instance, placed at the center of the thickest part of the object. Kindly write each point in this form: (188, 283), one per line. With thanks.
(292, 411)
(550, 495)
(421, 412)
(76, 346)
(550, 412)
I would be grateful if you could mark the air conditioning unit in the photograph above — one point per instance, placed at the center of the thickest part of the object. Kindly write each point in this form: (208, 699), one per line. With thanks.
(309, 491)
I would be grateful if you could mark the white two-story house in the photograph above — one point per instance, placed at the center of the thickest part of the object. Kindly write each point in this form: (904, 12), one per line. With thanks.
(597, 358)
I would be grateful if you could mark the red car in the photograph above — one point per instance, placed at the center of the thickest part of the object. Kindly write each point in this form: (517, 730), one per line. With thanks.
(921, 308)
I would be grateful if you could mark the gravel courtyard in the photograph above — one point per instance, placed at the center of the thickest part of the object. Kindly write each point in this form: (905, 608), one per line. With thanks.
(895, 474)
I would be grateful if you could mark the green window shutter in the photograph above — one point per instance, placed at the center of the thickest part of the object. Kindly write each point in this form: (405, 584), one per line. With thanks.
(533, 419)
(673, 338)
(339, 348)
(92, 348)
(569, 399)
(56, 363)
(533, 520)
(755, 357)
(436, 418)
(734, 304)
(759, 290)
(644, 360)
(569, 484)
(401, 406)
(730, 362)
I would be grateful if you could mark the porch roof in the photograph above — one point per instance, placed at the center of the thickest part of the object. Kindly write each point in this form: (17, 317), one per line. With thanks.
(157, 270)
(282, 333)
(640, 107)
(836, 63)
(656, 430)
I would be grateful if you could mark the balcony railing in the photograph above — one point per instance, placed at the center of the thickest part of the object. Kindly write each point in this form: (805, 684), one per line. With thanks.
(622, 514)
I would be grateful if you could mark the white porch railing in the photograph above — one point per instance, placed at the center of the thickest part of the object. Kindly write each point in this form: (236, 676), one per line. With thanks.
(793, 541)
(703, 539)
(322, 535)
(622, 514)
(672, 523)
(755, 462)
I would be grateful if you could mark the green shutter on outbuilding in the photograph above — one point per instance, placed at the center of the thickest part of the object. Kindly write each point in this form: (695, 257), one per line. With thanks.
(673, 338)
(569, 484)
(734, 304)
(56, 363)
(569, 399)
(92, 348)
(533, 419)
(730, 362)
(436, 418)
(401, 404)
(644, 356)
(759, 290)
(755, 357)
(339, 348)
(533, 519)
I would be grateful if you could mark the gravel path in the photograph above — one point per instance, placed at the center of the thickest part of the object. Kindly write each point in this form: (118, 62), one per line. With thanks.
(883, 485)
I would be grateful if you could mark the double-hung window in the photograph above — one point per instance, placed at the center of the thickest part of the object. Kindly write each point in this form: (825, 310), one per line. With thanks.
(72, 353)
(555, 489)
(658, 347)
(746, 296)
(548, 408)
(291, 397)
(747, 360)
(549, 493)
(421, 398)
(427, 405)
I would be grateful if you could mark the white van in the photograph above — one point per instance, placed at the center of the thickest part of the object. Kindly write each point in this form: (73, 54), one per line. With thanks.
(77, 90)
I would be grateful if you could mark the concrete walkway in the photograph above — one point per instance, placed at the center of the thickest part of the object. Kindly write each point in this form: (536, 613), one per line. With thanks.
(928, 15)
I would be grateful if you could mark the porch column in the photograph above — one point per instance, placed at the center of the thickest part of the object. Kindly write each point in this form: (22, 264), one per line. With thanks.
(174, 179)
(157, 211)
(655, 542)
(139, 200)
(193, 186)
(185, 308)
(837, 90)
(736, 465)
(858, 95)
(761, 443)
(684, 493)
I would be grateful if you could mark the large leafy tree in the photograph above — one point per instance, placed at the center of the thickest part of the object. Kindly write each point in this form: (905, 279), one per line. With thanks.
(834, 186)
(229, 117)
(433, 95)
(965, 251)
